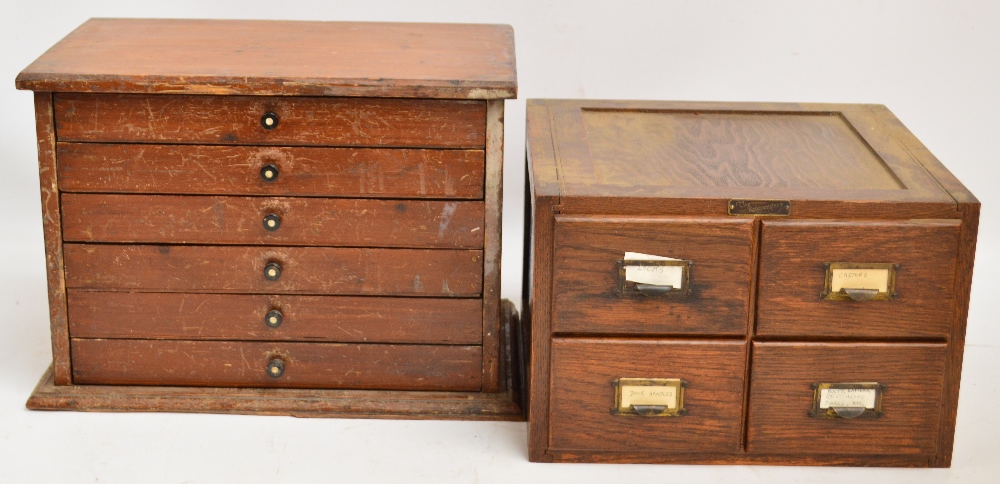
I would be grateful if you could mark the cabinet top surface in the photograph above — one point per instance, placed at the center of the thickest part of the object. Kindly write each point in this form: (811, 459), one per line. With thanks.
(767, 151)
(464, 61)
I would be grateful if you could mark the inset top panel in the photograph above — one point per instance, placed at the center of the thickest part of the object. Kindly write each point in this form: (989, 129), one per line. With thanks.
(462, 61)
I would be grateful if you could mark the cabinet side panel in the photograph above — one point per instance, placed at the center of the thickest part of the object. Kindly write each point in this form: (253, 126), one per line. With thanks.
(51, 228)
(491, 247)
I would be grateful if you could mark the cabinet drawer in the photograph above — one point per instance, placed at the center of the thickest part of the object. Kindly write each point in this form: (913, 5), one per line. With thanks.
(587, 280)
(584, 372)
(911, 377)
(99, 314)
(793, 278)
(304, 121)
(271, 221)
(240, 170)
(303, 270)
(303, 365)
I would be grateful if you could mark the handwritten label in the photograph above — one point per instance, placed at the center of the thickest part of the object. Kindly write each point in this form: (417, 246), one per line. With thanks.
(656, 275)
(847, 397)
(859, 279)
(648, 395)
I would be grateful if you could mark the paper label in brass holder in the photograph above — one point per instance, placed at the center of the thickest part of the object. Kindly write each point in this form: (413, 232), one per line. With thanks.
(859, 281)
(649, 397)
(847, 400)
(654, 276)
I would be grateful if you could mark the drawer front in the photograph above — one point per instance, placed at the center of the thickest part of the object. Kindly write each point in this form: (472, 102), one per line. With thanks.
(240, 170)
(781, 398)
(99, 314)
(793, 277)
(587, 279)
(583, 395)
(302, 270)
(240, 120)
(303, 365)
(271, 221)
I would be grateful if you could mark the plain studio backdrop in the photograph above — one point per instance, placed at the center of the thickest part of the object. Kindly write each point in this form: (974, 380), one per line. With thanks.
(936, 65)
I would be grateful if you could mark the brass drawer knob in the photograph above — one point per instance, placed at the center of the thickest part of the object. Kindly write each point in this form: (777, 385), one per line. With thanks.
(275, 367)
(273, 318)
(272, 222)
(269, 173)
(272, 271)
(269, 120)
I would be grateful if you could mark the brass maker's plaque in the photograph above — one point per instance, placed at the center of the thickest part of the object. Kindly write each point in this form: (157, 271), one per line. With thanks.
(847, 400)
(649, 397)
(859, 281)
(760, 207)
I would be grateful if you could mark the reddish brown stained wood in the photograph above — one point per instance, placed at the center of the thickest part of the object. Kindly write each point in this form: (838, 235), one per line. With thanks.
(586, 280)
(780, 397)
(539, 322)
(492, 247)
(280, 57)
(583, 371)
(792, 277)
(304, 270)
(94, 314)
(236, 120)
(306, 365)
(51, 230)
(706, 458)
(236, 170)
(302, 221)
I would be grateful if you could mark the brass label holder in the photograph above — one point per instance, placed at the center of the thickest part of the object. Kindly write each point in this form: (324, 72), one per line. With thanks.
(859, 281)
(629, 288)
(649, 397)
(847, 400)
(747, 207)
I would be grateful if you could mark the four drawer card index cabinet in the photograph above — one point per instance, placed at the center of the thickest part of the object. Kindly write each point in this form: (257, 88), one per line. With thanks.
(275, 217)
(742, 283)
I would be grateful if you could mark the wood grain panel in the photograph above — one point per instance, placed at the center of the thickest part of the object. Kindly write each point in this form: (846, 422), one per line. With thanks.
(94, 314)
(305, 270)
(586, 277)
(780, 398)
(583, 395)
(792, 277)
(240, 220)
(306, 365)
(235, 170)
(236, 120)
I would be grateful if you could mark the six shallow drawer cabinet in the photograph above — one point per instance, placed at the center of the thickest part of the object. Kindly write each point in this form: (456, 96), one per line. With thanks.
(741, 283)
(293, 227)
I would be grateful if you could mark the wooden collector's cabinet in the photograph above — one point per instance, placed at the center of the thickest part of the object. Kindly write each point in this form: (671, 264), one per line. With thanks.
(276, 217)
(741, 283)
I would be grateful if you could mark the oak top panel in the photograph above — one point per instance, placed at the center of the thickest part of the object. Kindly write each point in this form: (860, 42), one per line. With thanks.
(463, 61)
(650, 149)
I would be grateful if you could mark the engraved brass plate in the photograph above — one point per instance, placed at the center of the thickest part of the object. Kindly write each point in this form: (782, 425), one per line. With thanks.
(649, 397)
(847, 400)
(859, 281)
(760, 207)
(627, 287)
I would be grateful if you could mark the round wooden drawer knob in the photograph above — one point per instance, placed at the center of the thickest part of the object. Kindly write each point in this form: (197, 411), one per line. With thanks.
(275, 367)
(272, 271)
(272, 222)
(269, 173)
(273, 318)
(269, 120)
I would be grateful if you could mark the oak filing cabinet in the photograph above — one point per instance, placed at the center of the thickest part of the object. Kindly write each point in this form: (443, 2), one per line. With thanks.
(275, 217)
(741, 283)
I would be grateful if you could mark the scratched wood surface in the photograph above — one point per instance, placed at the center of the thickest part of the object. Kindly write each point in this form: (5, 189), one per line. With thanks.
(280, 57)
(304, 270)
(306, 365)
(301, 221)
(792, 276)
(583, 395)
(304, 121)
(236, 170)
(780, 398)
(98, 314)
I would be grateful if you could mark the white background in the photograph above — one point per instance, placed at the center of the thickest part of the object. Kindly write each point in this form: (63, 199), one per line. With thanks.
(935, 64)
